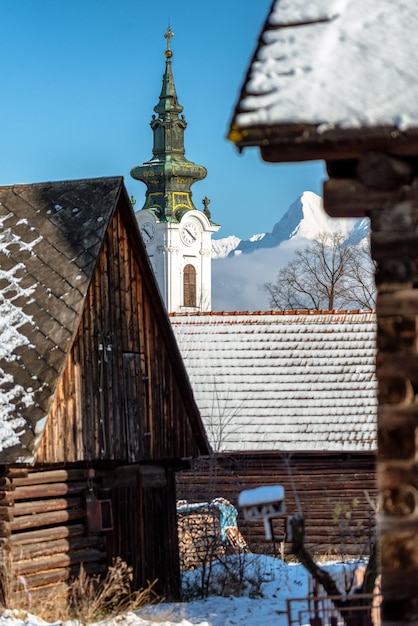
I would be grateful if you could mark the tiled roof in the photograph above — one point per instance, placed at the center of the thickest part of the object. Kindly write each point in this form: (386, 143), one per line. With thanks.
(286, 382)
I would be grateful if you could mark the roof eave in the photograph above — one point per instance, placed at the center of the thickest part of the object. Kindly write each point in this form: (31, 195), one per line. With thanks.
(288, 142)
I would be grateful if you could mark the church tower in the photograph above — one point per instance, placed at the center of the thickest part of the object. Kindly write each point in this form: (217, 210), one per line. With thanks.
(177, 236)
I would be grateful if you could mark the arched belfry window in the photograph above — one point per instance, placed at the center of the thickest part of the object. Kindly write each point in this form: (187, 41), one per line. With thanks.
(189, 285)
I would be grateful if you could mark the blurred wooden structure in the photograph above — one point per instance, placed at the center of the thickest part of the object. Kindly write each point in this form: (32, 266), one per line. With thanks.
(100, 414)
(364, 124)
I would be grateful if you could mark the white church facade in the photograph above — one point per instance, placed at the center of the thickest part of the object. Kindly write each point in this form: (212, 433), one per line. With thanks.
(177, 236)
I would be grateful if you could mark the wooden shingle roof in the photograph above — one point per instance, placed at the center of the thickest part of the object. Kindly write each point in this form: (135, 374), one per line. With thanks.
(50, 238)
(331, 79)
(283, 382)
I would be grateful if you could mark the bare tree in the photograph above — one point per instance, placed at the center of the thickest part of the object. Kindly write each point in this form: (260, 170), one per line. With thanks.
(327, 274)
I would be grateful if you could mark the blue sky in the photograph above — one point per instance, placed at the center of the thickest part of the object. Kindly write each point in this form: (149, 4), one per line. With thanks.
(80, 79)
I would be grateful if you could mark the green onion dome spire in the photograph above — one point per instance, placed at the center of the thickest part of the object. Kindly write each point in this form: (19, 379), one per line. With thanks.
(168, 175)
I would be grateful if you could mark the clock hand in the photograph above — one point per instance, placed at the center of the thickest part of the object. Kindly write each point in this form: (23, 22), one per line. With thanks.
(190, 233)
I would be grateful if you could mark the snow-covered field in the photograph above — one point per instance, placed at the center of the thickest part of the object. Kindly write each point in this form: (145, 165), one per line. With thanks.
(263, 602)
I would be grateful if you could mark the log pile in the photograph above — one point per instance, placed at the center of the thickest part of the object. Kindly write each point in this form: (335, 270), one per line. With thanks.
(203, 536)
(43, 532)
(200, 540)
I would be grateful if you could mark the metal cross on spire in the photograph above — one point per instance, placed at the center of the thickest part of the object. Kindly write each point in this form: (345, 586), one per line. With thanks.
(168, 35)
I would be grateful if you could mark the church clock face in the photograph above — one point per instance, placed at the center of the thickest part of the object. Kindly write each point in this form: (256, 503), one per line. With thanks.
(147, 231)
(189, 233)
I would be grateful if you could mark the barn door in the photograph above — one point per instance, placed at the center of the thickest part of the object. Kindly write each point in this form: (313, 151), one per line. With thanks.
(133, 406)
(160, 548)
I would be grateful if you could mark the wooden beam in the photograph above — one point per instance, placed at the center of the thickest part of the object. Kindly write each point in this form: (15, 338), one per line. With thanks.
(308, 142)
(403, 301)
(351, 198)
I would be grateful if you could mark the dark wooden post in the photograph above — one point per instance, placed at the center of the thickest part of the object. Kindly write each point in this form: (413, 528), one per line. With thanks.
(384, 188)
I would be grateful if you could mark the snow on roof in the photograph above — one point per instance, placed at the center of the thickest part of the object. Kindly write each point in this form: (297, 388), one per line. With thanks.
(334, 63)
(283, 382)
(50, 238)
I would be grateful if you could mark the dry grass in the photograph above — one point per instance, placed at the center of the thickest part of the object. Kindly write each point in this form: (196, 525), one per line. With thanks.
(89, 598)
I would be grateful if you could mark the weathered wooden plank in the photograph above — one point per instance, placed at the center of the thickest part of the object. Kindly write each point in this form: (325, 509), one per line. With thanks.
(55, 561)
(57, 575)
(22, 552)
(47, 534)
(40, 594)
(133, 416)
(43, 519)
(47, 490)
(117, 324)
(50, 476)
(16, 472)
(301, 142)
(33, 507)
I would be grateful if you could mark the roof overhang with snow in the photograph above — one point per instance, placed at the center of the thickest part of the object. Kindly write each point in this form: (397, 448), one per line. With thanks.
(331, 79)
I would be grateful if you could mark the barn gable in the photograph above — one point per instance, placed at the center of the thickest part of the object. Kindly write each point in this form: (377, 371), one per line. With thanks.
(50, 238)
(96, 403)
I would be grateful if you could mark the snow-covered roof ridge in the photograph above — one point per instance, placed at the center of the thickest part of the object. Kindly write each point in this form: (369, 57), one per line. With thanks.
(275, 312)
(288, 382)
(50, 238)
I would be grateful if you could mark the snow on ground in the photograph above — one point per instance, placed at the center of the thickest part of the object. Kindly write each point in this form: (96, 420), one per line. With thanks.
(263, 602)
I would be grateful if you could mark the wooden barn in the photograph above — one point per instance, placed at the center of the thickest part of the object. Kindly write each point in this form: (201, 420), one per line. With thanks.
(97, 411)
(287, 398)
(337, 82)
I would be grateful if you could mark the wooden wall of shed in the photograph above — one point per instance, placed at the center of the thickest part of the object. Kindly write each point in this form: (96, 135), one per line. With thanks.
(334, 492)
(119, 398)
(45, 535)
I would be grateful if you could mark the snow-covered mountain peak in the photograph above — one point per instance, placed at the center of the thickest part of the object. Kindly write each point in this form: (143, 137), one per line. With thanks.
(307, 218)
(304, 219)
(222, 247)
